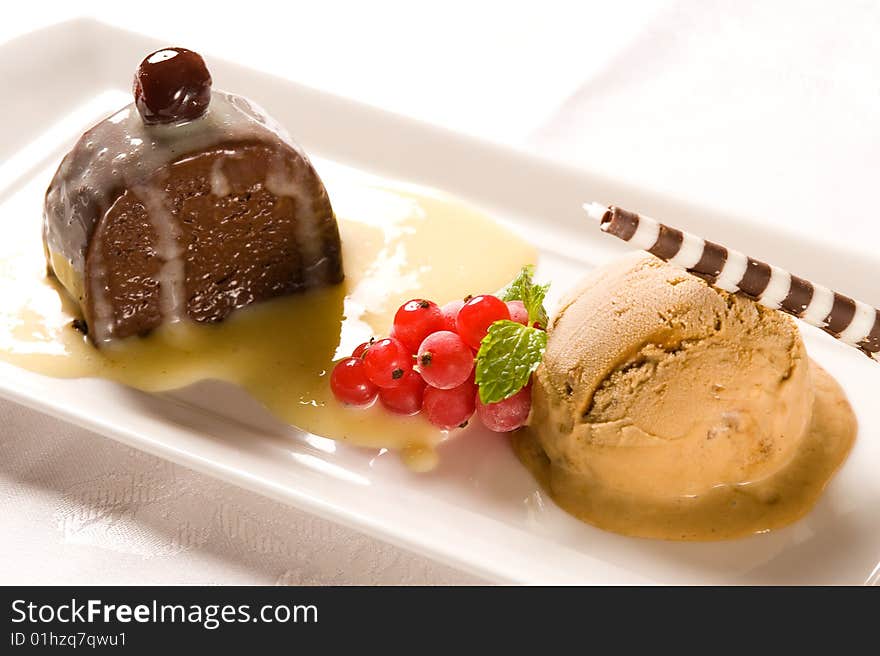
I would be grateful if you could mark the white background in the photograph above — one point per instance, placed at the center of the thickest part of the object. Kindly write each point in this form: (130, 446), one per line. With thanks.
(768, 110)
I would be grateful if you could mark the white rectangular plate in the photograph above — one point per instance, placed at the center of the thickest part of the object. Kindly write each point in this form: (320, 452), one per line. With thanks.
(480, 510)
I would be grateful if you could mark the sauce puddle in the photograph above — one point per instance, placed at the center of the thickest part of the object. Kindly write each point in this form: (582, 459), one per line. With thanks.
(398, 243)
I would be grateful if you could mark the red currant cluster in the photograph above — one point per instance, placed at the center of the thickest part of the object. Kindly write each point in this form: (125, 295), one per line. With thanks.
(427, 365)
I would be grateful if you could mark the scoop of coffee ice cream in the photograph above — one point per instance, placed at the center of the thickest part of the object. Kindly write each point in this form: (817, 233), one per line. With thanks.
(660, 396)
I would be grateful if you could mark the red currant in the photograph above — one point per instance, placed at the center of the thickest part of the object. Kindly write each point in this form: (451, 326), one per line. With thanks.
(361, 349)
(444, 360)
(450, 314)
(406, 398)
(415, 320)
(452, 408)
(506, 415)
(386, 362)
(518, 312)
(350, 384)
(476, 315)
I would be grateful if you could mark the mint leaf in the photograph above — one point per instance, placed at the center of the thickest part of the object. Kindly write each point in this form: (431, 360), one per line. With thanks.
(508, 355)
(524, 289)
(510, 352)
(514, 290)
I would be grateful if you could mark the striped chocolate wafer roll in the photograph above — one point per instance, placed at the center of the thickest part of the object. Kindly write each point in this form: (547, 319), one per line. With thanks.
(851, 321)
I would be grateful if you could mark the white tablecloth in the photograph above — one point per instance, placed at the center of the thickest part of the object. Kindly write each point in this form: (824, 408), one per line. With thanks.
(767, 109)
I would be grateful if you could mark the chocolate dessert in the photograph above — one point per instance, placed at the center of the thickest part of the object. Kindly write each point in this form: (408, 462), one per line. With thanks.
(187, 204)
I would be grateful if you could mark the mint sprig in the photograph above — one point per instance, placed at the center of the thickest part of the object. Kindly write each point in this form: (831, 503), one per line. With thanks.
(524, 289)
(510, 352)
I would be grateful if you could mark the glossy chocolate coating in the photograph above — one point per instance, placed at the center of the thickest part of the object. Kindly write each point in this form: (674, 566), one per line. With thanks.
(172, 85)
(147, 224)
(237, 249)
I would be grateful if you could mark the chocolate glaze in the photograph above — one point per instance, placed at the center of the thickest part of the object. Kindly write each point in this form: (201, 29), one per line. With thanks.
(799, 296)
(871, 344)
(151, 223)
(621, 223)
(841, 315)
(755, 279)
(711, 262)
(668, 243)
